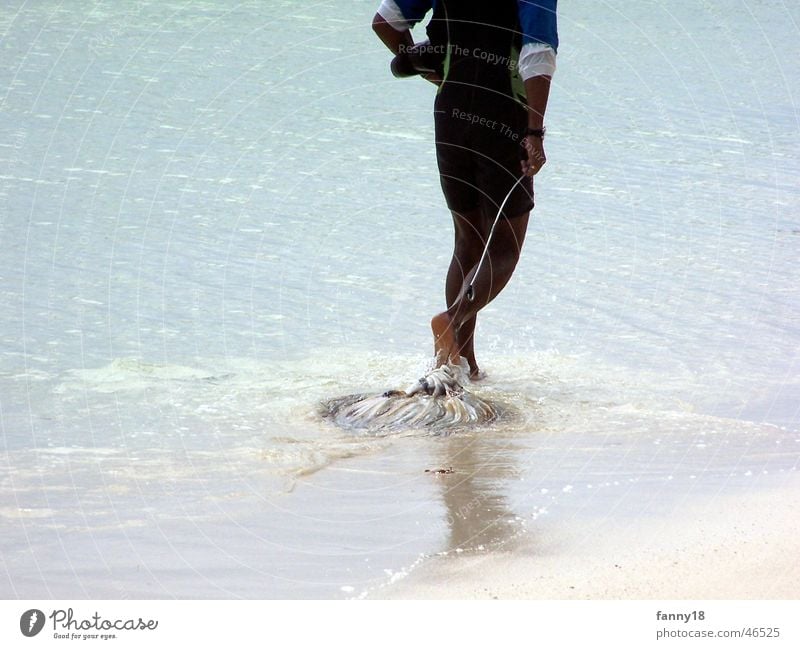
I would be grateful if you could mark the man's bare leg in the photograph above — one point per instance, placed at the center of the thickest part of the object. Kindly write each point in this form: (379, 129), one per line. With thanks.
(471, 229)
(444, 340)
(499, 265)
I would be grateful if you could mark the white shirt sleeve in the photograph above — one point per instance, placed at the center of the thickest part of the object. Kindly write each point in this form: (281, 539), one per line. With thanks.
(391, 13)
(535, 60)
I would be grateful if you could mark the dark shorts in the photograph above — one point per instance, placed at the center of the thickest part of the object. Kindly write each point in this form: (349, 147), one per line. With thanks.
(479, 147)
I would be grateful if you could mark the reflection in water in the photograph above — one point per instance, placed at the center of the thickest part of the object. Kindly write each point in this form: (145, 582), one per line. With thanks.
(477, 510)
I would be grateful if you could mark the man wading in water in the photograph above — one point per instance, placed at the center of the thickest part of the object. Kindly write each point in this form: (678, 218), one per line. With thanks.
(493, 62)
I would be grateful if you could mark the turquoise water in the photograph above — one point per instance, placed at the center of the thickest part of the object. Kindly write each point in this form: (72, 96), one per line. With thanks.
(214, 216)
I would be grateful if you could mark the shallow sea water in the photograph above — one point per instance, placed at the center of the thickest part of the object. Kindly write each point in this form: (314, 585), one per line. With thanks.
(214, 217)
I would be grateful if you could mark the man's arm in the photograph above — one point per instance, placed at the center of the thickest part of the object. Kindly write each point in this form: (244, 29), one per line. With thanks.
(537, 90)
(396, 31)
(391, 37)
(537, 65)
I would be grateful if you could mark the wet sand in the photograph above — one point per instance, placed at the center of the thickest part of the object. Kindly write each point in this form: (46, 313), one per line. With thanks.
(722, 547)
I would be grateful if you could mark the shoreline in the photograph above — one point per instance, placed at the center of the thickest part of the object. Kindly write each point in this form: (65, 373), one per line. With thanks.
(742, 546)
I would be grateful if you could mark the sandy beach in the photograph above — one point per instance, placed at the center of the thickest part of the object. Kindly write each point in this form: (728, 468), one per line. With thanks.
(742, 547)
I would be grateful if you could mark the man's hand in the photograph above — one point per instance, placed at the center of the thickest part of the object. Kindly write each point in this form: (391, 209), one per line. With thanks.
(394, 40)
(534, 146)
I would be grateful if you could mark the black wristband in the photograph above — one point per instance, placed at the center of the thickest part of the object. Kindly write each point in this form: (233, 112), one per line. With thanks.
(538, 132)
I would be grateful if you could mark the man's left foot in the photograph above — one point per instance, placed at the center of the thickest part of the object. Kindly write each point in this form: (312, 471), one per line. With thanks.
(444, 339)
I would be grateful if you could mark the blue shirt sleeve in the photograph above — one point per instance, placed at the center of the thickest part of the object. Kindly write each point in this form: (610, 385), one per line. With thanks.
(414, 10)
(538, 21)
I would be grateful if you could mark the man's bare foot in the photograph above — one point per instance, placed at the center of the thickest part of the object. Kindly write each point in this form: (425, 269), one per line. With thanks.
(444, 339)
(476, 373)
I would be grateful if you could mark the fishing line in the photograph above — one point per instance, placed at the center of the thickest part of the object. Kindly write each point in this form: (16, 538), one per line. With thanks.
(470, 291)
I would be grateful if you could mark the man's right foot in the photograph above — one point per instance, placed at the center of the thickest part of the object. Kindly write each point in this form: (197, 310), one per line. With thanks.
(476, 373)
